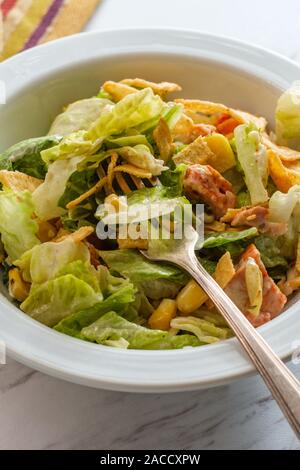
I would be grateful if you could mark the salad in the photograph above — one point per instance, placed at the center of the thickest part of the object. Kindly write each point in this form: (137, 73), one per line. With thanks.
(128, 145)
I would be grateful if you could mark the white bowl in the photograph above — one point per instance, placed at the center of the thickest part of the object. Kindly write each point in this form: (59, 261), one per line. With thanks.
(38, 83)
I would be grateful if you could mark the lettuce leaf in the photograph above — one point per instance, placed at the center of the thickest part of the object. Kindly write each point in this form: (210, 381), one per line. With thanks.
(205, 331)
(282, 205)
(173, 179)
(111, 327)
(79, 116)
(271, 251)
(109, 283)
(160, 288)
(288, 118)
(285, 208)
(128, 141)
(252, 157)
(84, 271)
(175, 342)
(133, 265)
(171, 112)
(117, 302)
(54, 300)
(73, 145)
(78, 183)
(18, 229)
(43, 262)
(26, 156)
(129, 112)
(141, 157)
(47, 196)
(224, 238)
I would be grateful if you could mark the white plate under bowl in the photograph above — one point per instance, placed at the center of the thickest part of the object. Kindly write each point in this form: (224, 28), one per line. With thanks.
(38, 83)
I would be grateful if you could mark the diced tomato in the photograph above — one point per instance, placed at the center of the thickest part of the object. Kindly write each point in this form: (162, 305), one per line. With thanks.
(227, 126)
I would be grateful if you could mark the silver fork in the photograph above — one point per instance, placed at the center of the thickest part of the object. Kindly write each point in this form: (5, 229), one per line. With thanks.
(283, 385)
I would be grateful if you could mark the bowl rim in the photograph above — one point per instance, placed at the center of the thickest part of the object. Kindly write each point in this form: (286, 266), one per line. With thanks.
(146, 371)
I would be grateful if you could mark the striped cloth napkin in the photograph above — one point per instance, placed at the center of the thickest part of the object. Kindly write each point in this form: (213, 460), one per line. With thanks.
(26, 23)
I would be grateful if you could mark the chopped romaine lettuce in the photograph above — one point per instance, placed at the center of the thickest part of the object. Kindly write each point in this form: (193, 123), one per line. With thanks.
(271, 252)
(78, 183)
(18, 228)
(288, 118)
(47, 196)
(84, 271)
(54, 300)
(26, 156)
(43, 263)
(141, 157)
(131, 264)
(130, 112)
(173, 179)
(235, 178)
(160, 288)
(205, 331)
(253, 159)
(79, 116)
(243, 199)
(109, 283)
(208, 264)
(224, 238)
(128, 141)
(117, 302)
(282, 205)
(111, 327)
(171, 112)
(285, 208)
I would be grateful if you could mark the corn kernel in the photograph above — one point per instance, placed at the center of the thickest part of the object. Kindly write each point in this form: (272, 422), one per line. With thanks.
(162, 316)
(46, 231)
(191, 297)
(220, 146)
(18, 288)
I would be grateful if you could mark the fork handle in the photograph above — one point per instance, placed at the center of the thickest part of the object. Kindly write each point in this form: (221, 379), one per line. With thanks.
(283, 385)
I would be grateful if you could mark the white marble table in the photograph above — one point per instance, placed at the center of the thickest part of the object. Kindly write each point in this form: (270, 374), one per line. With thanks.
(40, 412)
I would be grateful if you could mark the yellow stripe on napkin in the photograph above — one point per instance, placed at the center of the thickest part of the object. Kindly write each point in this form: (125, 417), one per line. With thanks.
(27, 23)
(32, 17)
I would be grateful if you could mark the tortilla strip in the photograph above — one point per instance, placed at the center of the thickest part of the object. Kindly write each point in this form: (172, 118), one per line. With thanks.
(95, 189)
(223, 274)
(117, 90)
(285, 154)
(215, 226)
(204, 107)
(208, 107)
(129, 243)
(18, 181)
(283, 177)
(162, 88)
(122, 183)
(224, 270)
(231, 213)
(298, 255)
(163, 139)
(78, 236)
(133, 170)
(110, 173)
